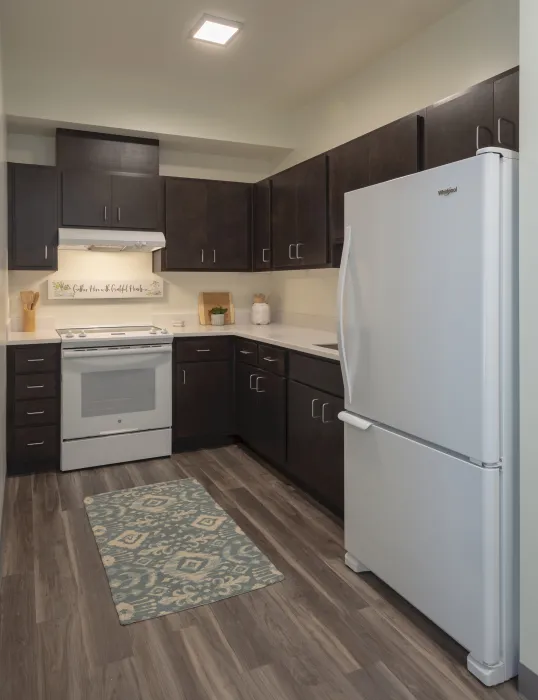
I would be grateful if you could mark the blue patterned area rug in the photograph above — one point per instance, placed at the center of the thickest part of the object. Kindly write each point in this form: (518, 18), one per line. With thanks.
(169, 547)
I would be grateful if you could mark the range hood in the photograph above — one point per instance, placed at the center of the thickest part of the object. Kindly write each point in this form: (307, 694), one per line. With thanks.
(110, 241)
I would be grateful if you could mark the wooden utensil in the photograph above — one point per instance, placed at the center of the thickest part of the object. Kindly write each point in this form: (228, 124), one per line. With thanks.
(36, 299)
(27, 298)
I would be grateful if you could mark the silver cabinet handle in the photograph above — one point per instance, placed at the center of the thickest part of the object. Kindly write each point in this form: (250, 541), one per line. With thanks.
(119, 213)
(37, 359)
(46, 252)
(260, 391)
(264, 259)
(289, 252)
(252, 376)
(246, 352)
(202, 255)
(478, 135)
(105, 212)
(314, 402)
(184, 376)
(36, 386)
(206, 350)
(35, 444)
(499, 122)
(299, 257)
(35, 413)
(214, 255)
(323, 413)
(269, 359)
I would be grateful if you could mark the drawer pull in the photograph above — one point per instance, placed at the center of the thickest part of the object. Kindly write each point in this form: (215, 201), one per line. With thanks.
(246, 352)
(206, 350)
(270, 359)
(36, 386)
(35, 444)
(37, 359)
(35, 413)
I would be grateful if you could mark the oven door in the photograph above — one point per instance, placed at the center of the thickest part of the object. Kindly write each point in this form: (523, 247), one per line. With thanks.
(106, 391)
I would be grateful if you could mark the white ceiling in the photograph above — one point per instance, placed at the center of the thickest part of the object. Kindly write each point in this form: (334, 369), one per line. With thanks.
(131, 63)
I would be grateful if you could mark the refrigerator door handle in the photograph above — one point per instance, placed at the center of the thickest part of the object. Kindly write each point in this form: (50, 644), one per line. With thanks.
(341, 295)
(354, 421)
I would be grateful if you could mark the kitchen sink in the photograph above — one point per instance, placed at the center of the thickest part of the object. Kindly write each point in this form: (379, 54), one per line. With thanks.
(329, 346)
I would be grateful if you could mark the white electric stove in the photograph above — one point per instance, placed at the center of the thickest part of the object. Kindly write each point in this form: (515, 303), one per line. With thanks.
(116, 395)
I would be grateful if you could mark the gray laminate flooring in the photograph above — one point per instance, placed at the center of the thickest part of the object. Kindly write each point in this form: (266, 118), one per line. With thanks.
(323, 632)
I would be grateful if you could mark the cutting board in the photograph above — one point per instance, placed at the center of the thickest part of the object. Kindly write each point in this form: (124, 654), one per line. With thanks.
(207, 300)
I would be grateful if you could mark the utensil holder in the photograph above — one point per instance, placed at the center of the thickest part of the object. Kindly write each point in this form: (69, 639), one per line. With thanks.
(28, 320)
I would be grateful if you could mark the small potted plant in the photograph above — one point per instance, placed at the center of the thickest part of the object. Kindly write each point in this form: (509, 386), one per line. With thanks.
(217, 315)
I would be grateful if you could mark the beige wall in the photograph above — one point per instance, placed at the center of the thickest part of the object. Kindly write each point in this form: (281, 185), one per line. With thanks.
(529, 335)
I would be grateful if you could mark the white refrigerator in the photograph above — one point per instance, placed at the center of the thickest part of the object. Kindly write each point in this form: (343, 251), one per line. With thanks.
(428, 343)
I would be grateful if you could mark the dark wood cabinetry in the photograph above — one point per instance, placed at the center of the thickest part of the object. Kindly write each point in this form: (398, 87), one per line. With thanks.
(33, 220)
(33, 408)
(299, 215)
(203, 389)
(262, 225)
(207, 225)
(506, 110)
(456, 128)
(94, 199)
(348, 171)
(261, 411)
(316, 443)
(395, 150)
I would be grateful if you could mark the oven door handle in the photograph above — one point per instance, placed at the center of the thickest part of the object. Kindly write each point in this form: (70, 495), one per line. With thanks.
(86, 353)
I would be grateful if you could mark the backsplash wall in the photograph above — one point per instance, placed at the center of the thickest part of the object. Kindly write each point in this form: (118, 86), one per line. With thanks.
(180, 293)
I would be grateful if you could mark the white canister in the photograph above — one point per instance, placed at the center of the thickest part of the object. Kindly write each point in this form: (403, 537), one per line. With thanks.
(261, 312)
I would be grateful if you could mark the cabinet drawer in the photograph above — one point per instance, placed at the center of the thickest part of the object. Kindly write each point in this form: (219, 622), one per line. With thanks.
(272, 358)
(36, 358)
(38, 412)
(321, 374)
(36, 386)
(246, 351)
(203, 349)
(34, 445)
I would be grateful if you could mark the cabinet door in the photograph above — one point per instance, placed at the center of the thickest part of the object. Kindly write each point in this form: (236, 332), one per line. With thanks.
(186, 224)
(262, 225)
(348, 171)
(312, 232)
(284, 218)
(33, 220)
(316, 443)
(458, 127)
(246, 404)
(136, 202)
(506, 111)
(270, 395)
(203, 399)
(394, 150)
(229, 213)
(86, 199)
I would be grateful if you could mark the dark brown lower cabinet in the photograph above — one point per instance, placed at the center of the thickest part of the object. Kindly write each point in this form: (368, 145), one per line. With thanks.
(203, 400)
(316, 443)
(261, 411)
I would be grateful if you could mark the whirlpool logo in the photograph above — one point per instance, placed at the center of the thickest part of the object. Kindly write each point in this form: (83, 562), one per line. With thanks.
(447, 191)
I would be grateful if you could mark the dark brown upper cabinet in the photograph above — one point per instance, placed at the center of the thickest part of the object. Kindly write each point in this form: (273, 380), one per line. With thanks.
(95, 199)
(33, 217)
(207, 225)
(395, 150)
(262, 225)
(457, 127)
(506, 111)
(299, 215)
(348, 171)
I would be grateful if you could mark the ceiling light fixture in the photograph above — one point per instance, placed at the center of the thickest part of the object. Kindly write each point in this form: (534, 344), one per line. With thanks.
(215, 30)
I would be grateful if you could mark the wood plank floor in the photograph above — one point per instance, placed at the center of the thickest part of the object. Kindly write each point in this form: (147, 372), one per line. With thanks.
(322, 633)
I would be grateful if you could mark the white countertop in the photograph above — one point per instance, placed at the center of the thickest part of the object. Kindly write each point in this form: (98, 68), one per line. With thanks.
(290, 337)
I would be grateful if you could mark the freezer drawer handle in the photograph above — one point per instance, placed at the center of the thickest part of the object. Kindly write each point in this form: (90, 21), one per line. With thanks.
(354, 421)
